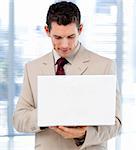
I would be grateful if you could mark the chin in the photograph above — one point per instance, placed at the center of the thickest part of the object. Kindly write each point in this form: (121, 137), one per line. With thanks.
(64, 54)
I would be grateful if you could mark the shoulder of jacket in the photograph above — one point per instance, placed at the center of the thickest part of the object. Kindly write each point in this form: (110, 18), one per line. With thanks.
(39, 60)
(95, 56)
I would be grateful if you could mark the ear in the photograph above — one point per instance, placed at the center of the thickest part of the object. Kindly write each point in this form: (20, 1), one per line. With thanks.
(80, 28)
(47, 30)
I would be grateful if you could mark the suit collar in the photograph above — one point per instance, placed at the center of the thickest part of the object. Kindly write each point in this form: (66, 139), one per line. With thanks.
(80, 62)
(48, 62)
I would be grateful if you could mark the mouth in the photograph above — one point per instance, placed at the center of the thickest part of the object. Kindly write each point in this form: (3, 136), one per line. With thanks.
(64, 50)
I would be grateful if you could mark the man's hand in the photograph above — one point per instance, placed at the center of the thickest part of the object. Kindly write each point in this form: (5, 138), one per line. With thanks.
(69, 133)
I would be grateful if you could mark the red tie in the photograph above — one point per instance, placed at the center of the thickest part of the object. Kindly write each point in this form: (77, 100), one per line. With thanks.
(61, 62)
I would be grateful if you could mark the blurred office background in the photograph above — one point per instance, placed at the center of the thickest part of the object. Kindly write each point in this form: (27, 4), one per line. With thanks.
(109, 29)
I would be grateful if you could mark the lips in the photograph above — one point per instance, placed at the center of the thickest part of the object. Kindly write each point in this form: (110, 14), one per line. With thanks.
(64, 50)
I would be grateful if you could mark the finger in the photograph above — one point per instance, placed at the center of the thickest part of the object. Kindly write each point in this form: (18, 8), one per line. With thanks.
(73, 132)
(69, 132)
(84, 127)
(61, 132)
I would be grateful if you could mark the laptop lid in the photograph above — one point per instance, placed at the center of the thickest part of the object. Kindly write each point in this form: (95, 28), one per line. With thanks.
(76, 100)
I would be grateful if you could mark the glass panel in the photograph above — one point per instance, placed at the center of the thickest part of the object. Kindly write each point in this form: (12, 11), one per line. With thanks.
(129, 63)
(99, 34)
(3, 65)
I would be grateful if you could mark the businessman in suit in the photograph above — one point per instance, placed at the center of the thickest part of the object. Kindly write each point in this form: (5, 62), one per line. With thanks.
(64, 27)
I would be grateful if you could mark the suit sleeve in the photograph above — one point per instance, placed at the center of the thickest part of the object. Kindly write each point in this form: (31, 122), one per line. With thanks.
(100, 134)
(25, 115)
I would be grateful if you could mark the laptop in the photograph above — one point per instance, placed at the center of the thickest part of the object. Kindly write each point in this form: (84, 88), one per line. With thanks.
(76, 100)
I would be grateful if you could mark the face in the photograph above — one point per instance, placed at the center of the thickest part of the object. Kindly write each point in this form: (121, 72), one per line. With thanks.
(64, 38)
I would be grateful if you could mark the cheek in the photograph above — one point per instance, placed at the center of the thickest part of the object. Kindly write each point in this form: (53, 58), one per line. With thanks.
(74, 42)
(56, 42)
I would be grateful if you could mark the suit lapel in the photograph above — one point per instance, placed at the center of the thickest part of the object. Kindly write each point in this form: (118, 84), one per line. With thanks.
(48, 65)
(80, 63)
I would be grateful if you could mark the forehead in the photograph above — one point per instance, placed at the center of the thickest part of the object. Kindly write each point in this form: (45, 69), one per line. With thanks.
(62, 30)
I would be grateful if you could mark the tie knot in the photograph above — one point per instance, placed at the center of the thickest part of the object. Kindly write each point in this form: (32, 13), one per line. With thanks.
(61, 61)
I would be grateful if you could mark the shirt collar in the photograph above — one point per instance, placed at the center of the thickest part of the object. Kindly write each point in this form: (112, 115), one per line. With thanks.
(69, 58)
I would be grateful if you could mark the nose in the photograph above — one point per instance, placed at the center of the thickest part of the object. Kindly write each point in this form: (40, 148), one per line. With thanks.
(64, 43)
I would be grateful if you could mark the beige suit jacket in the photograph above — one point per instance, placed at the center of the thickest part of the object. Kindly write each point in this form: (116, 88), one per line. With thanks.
(25, 116)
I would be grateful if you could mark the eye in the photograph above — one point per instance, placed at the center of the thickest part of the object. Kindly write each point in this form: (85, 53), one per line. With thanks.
(71, 37)
(57, 37)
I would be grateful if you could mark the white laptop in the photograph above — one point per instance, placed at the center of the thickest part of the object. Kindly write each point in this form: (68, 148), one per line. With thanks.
(76, 100)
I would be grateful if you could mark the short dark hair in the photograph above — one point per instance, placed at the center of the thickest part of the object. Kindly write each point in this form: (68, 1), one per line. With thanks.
(63, 13)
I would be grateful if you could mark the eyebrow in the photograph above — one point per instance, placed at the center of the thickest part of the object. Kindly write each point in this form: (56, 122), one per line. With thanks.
(71, 35)
(62, 37)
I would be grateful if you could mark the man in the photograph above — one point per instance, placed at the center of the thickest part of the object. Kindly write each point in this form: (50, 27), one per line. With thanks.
(64, 28)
